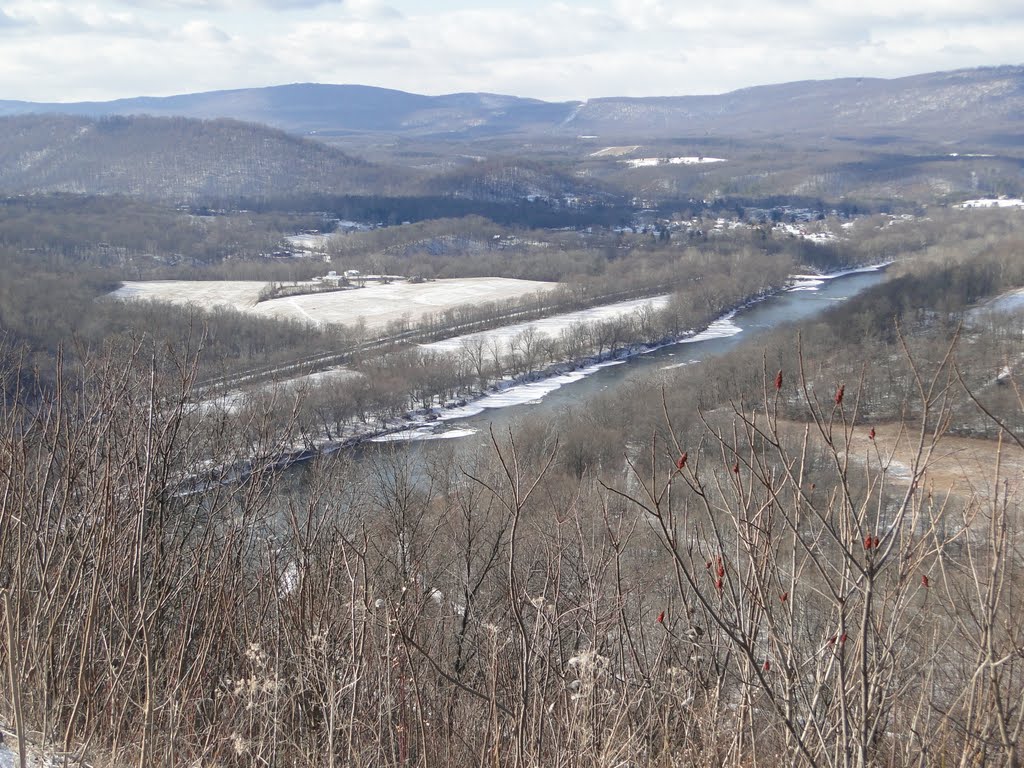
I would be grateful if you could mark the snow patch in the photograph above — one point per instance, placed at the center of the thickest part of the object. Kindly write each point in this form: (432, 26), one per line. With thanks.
(721, 328)
(308, 242)
(523, 394)
(1011, 302)
(674, 366)
(1001, 202)
(615, 151)
(423, 433)
(650, 162)
(814, 282)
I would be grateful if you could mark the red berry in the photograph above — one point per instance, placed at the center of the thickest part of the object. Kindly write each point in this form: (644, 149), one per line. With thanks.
(784, 597)
(875, 542)
(871, 434)
(778, 380)
(767, 665)
(681, 462)
(736, 468)
(842, 639)
(661, 617)
(867, 542)
(839, 394)
(924, 581)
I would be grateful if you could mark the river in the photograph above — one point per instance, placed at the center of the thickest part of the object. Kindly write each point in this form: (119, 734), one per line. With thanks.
(807, 298)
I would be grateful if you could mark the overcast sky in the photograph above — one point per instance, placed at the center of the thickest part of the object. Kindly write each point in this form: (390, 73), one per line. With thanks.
(59, 50)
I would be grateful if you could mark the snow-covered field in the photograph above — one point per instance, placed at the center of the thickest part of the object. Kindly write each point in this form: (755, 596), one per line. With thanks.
(548, 326)
(375, 304)
(1002, 202)
(1009, 303)
(237, 294)
(309, 242)
(615, 151)
(650, 162)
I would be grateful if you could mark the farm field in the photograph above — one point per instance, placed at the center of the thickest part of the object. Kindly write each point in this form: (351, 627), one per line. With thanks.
(377, 305)
(549, 326)
(237, 294)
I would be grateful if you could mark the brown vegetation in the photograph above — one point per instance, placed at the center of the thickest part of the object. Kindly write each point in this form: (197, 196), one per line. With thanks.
(738, 592)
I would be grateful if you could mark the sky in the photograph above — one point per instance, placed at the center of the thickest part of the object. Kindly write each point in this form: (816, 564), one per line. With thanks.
(58, 50)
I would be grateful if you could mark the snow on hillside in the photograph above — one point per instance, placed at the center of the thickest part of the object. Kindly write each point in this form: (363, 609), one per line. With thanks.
(815, 233)
(309, 242)
(1011, 302)
(650, 162)
(1002, 202)
(615, 151)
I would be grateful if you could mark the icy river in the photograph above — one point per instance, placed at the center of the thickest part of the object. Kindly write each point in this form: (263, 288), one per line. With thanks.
(470, 424)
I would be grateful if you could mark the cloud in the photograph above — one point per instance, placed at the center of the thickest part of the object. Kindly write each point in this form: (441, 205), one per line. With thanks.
(227, 5)
(51, 19)
(204, 32)
(9, 22)
(372, 9)
(66, 50)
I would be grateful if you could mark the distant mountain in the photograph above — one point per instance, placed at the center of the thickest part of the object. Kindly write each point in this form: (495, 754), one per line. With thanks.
(172, 159)
(943, 106)
(311, 108)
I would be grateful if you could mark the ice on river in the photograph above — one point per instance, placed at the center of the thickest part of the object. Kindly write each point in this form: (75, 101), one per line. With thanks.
(426, 432)
(523, 394)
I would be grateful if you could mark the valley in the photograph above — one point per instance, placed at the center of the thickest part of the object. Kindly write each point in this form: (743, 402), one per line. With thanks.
(344, 425)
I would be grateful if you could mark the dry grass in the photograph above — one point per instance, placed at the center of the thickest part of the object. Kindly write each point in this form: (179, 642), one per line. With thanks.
(960, 467)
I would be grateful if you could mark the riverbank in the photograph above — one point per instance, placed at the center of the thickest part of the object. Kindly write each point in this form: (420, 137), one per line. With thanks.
(561, 384)
(436, 422)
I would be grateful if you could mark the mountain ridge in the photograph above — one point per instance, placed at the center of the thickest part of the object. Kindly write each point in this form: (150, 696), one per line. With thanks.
(936, 105)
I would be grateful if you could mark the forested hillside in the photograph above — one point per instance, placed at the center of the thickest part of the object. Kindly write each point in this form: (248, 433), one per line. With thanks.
(968, 104)
(172, 159)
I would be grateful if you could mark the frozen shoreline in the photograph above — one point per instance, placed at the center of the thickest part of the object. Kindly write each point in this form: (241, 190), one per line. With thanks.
(430, 423)
(532, 389)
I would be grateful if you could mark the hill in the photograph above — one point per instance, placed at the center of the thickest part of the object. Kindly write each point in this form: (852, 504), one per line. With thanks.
(943, 106)
(175, 159)
(985, 103)
(313, 108)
